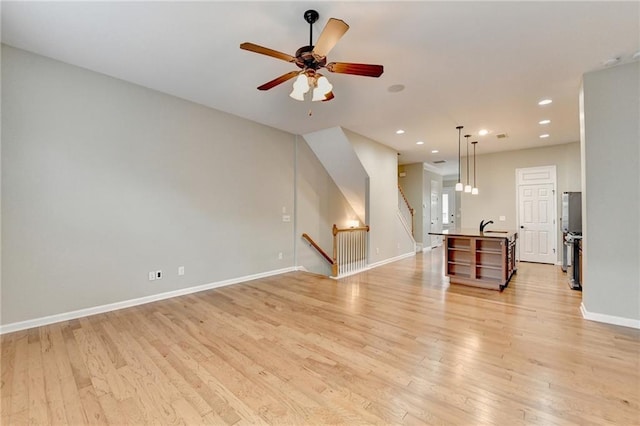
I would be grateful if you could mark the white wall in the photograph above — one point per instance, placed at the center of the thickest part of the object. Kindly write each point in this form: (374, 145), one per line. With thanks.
(611, 194)
(496, 181)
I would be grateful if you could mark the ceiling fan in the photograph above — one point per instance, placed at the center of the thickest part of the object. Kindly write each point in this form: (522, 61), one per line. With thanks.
(312, 58)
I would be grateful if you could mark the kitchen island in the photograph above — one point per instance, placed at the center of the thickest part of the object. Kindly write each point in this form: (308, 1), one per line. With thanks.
(481, 259)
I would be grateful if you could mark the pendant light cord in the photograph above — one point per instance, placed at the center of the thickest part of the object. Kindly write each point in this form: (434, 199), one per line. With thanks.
(467, 136)
(459, 157)
(474, 163)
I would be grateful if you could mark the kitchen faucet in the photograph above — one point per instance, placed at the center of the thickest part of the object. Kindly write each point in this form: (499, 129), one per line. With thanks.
(484, 225)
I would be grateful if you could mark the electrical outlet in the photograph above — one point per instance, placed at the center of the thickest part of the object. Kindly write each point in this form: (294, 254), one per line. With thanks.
(152, 276)
(286, 218)
(158, 275)
(280, 256)
(503, 218)
(377, 250)
(180, 270)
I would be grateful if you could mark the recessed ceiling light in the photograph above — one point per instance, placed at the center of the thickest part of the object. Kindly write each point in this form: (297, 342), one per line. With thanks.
(434, 151)
(419, 143)
(546, 135)
(399, 132)
(483, 132)
(545, 102)
(395, 88)
(544, 122)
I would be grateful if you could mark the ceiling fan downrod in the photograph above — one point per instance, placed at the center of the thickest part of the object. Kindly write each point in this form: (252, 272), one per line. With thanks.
(311, 16)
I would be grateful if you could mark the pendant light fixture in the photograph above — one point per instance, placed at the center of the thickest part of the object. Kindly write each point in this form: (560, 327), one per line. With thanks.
(467, 187)
(474, 190)
(459, 186)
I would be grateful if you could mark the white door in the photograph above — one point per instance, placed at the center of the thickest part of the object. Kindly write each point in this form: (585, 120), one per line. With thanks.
(436, 224)
(536, 211)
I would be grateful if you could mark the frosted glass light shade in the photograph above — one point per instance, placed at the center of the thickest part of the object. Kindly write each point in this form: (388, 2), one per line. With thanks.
(474, 191)
(459, 186)
(300, 87)
(467, 188)
(323, 87)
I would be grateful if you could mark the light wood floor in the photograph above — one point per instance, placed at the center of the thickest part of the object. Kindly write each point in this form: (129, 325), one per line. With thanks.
(394, 345)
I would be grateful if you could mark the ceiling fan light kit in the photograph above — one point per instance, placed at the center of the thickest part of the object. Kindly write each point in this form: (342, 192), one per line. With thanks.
(311, 58)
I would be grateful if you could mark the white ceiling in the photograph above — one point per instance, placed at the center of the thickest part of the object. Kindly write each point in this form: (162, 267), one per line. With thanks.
(477, 64)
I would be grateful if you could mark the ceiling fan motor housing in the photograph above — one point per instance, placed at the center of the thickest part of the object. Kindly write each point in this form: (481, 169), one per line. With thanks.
(306, 59)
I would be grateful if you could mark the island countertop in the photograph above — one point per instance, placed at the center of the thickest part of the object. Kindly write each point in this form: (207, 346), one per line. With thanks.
(470, 232)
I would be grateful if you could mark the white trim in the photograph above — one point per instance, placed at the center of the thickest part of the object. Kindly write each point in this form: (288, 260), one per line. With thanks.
(609, 319)
(51, 319)
(366, 268)
(375, 265)
(392, 259)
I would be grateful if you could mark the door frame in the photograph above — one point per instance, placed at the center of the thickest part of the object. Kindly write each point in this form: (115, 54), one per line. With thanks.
(536, 176)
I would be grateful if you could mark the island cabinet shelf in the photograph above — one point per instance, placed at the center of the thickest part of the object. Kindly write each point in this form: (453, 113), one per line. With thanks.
(480, 260)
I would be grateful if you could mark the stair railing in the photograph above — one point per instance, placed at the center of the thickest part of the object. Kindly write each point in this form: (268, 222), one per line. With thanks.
(349, 250)
(319, 250)
(405, 208)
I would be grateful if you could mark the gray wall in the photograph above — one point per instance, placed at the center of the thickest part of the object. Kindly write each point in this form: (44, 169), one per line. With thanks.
(417, 187)
(611, 206)
(319, 205)
(104, 181)
(412, 185)
(387, 238)
(496, 181)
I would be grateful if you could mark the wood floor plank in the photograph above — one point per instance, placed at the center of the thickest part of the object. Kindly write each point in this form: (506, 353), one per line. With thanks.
(393, 345)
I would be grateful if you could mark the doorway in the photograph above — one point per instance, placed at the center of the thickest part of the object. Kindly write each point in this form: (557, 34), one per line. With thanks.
(536, 206)
(448, 208)
(435, 215)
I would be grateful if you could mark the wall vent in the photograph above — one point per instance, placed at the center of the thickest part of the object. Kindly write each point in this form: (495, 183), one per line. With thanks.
(439, 162)
(501, 135)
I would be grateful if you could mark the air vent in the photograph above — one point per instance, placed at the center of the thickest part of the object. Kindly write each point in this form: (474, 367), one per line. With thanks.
(439, 162)
(501, 135)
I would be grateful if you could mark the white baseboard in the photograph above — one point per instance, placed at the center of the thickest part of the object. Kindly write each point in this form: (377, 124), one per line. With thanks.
(375, 265)
(51, 319)
(392, 259)
(609, 319)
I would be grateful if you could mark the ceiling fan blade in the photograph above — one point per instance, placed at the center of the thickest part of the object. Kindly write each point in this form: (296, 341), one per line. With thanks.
(279, 80)
(332, 32)
(266, 51)
(366, 70)
(328, 97)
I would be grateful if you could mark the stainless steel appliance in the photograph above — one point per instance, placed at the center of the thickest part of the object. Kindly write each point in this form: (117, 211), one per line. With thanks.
(571, 224)
(572, 212)
(573, 242)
